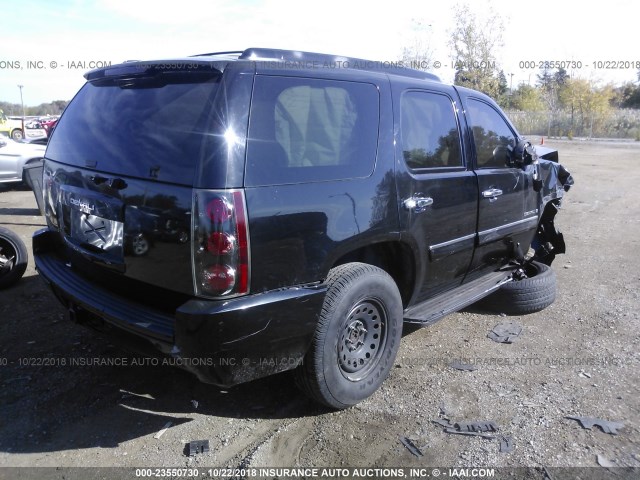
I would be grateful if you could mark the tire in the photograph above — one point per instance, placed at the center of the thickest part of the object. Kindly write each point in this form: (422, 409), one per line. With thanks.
(17, 135)
(13, 258)
(356, 339)
(183, 236)
(531, 294)
(140, 245)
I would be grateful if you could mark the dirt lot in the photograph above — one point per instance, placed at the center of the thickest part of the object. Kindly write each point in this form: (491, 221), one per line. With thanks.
(578, 357)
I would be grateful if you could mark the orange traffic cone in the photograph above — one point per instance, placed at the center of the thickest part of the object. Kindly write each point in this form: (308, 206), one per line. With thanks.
(541, 140)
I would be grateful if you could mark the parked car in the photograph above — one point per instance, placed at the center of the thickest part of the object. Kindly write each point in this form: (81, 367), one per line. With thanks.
(40, 127)
(15, 155)
(329, 199)
(48, 124)
(33, 129)
(11, 127)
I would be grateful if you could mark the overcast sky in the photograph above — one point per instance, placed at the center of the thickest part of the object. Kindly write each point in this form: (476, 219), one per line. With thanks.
(57, 36)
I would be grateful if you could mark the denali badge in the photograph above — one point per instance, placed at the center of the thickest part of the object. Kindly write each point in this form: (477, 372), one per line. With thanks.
(85, 206)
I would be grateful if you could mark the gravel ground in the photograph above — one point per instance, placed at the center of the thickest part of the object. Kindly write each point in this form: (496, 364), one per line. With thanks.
(579, 357)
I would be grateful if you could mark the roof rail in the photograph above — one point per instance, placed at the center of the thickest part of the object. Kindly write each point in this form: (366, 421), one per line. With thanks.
(276, 55)
(232, 53)
(394, 68)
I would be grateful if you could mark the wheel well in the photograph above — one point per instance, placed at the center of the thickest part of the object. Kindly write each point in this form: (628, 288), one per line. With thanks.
(395, 258)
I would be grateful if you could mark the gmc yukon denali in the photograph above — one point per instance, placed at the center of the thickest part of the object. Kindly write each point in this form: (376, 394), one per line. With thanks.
(252, 212)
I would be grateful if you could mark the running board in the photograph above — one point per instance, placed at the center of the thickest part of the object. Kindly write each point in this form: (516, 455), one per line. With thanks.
(432, 310)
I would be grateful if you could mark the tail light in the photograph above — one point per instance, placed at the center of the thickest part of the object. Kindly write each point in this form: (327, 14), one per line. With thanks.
(220, 244)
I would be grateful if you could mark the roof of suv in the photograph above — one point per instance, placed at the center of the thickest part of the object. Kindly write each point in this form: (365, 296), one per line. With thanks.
(288, 59)
(321, 59)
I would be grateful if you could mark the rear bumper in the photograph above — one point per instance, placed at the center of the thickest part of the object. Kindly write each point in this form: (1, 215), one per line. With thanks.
(222, 342)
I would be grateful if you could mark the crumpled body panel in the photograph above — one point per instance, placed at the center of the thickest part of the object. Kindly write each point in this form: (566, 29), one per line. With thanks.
(553, 181)
(554, 178)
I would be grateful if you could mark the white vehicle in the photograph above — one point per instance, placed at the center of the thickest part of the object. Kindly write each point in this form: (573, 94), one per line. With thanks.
(15, 155)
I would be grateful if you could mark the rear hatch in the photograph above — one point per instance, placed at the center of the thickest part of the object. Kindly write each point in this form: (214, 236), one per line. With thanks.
(119, 173)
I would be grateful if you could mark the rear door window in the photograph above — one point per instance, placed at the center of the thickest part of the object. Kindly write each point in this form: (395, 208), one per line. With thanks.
(430, 136)
(305, 130)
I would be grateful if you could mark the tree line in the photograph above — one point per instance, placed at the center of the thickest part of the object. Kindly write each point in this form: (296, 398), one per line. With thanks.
(561, 104)
(52, 108)
(557, 103)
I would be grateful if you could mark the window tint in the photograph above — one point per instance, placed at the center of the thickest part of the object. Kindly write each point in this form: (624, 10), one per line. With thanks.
(430, 136)
(150, 128)
(304, 130)
(493, 138)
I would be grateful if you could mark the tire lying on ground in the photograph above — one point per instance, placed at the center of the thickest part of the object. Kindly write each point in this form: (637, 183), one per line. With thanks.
(531, 294)
(356, 339)
(13, 258)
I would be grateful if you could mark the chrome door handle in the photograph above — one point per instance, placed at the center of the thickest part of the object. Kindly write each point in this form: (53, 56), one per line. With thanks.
(418, 204)
(492, 193)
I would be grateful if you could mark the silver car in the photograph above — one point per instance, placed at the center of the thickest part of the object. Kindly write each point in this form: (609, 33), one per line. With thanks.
(15, 155)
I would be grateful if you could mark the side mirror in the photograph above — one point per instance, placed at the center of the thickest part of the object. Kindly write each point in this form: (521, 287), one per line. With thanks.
(530, 156)
(525, 154)
(503, 154)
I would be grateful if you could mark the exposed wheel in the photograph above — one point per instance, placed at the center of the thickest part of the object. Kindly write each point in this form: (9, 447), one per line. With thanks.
(17, 135)
(534, 292)
(183, 236)
(139, 245)
(13, 258)
(357, 337)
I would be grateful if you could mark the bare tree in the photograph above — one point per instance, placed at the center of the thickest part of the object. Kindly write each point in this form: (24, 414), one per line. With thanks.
(474, 44)
(550, 85)
(418, 52)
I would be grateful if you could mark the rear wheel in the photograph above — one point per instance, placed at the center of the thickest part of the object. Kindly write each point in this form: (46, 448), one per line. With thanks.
(357, 336)
(13, 258)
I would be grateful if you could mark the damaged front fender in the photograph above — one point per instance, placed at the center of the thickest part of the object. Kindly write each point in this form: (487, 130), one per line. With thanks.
(553, 180)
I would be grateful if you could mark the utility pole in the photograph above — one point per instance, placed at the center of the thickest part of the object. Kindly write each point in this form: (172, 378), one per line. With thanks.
(22, 104)
(511, 91)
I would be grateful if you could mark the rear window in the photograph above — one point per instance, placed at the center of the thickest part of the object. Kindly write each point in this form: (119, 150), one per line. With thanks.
(154, 128)
(308, 130)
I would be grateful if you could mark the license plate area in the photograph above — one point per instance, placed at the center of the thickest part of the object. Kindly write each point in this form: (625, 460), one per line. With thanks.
(93, 223)
(97, 234)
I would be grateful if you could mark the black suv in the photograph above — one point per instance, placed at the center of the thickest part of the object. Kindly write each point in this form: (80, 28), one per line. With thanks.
(253, 212)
